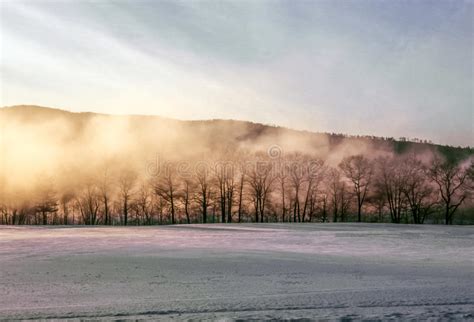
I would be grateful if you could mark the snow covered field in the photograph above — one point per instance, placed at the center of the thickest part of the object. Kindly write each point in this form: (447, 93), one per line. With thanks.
(238, 271)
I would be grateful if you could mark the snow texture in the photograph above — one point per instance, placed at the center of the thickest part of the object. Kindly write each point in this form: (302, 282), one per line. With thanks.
(247, 271)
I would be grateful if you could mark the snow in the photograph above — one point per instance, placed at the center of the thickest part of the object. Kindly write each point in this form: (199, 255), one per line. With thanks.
(247, 271)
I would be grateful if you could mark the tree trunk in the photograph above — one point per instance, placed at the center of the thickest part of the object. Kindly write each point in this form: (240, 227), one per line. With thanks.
(172, 209)
(186, 210)
(283, 210)
(241, 189)
(229, 209)
(125, 212)
(106, 211)
(45, 217)
(359, 212)
(204, 210)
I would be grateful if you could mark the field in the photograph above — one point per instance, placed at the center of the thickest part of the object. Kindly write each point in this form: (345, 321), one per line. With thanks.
(259, 271)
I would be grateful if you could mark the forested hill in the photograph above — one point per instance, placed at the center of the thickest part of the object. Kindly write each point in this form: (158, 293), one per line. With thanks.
(216, 134)
(58, 167)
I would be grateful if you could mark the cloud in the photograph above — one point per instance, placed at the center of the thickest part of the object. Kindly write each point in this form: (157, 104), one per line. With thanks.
(336, 66)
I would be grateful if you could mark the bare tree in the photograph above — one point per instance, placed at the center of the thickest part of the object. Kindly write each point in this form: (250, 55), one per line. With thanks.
(47, 202)
(451, 180)
(418, 191)
(312, 205)
(65, 200)
(220, 175)
(379, 202)
(230, 187)
(358, 171)
(158, 205)
(260, 179)
(296, 178)
(282, 178)
(391, 180)
(144, 203)
(204, 189)
(5, 218)
(225, 178)
(314, 171)
(241, 182)
(126, 184)
(88, 203)
(16, 211)
(104, 190)
(346, 199)
(324, 207)
(167, 187)
(334, 188)
(470, 176)
(188, 188)
(24, 213)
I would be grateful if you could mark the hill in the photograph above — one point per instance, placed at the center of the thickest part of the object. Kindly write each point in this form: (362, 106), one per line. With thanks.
(208, 135)
(89, 161)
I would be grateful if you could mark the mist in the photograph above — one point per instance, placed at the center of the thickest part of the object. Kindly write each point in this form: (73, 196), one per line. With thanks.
(185, 170)
(71, 146)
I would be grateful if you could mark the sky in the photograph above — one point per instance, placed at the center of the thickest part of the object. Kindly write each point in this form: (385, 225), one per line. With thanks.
(385, 68)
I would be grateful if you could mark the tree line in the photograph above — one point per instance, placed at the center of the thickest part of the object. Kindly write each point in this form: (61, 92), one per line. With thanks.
(256, 187)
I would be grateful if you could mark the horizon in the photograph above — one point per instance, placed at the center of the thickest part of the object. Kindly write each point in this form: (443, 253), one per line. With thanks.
(340, 67)
(349, 135)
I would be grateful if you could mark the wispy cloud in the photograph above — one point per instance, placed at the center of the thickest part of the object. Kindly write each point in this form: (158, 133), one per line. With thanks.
(384, 68)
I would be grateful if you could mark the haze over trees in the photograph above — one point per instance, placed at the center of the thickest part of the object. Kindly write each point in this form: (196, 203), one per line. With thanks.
(66, 168)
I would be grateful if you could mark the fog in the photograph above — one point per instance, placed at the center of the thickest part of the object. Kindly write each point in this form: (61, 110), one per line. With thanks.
(68, 147)
(49, 152)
